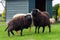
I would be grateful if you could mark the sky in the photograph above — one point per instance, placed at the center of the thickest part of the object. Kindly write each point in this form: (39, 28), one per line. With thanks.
(53, 3)
(1, 7)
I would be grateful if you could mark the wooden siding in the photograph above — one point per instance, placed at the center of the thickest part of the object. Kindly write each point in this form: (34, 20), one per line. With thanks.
(49, 7)
(14, 7)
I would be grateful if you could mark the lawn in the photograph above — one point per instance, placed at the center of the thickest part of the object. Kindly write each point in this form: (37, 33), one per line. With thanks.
(54, 35)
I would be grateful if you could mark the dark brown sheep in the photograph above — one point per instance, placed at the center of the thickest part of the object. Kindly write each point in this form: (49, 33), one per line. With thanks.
(46, 13)
(40, 19)
(19, 23)
(22, 14)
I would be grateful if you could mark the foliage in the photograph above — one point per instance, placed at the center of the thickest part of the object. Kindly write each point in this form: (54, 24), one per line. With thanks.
(59, 11)
(55, 9)
(3, 14)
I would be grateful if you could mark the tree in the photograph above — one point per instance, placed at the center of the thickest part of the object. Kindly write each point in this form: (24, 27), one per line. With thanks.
(2, 2)
(4, 11)
(4, 14)
(55, 7)
(59, 11)
(55, 10)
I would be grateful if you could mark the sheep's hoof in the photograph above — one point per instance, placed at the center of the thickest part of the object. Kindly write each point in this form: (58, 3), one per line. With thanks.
(13, 34)
(49, 30)
(43, 32)
(8, 35)
(38, 32)
(21, 35)
(35, 32)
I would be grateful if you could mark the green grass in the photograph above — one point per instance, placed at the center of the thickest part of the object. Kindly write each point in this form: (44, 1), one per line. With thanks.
(54, 35)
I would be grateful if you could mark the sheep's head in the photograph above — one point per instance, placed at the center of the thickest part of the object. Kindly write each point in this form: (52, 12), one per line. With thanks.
(35, 12)
(28, 17)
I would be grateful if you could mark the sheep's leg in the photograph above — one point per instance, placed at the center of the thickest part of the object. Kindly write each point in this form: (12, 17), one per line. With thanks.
(9, 30)
(38, 29)
(8, 33)
(12, 32)
(21, 32)
(30, 29)
(43, 28)
(35, 29)
(49, 28)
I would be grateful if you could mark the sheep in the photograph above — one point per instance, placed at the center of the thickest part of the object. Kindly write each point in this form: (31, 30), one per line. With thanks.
(19, 23)
(22, 14)
(40, 19)
(44, 12)
(52, 20)
(19, 14)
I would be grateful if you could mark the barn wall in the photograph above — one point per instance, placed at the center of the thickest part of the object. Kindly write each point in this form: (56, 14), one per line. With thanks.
(31, 5)
(40, 4)
(49, 7)
(16, 6)
(23, 6)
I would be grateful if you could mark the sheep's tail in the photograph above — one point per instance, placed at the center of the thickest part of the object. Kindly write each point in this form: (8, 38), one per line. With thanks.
(6, 28)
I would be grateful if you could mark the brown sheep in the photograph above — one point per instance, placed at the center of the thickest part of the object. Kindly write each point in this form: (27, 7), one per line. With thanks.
(19, 23)
(40, 19)
(22, 14)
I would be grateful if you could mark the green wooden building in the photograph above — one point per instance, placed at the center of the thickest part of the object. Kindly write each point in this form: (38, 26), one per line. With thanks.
(26, 6)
